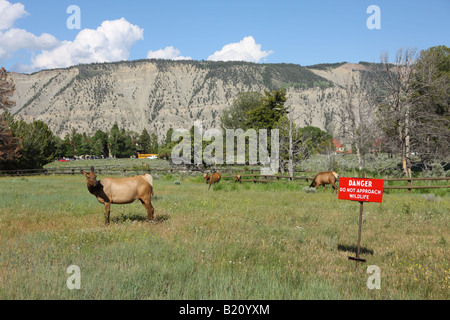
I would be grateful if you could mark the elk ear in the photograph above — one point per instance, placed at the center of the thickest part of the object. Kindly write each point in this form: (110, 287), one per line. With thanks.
(92, 169)
(82, 172)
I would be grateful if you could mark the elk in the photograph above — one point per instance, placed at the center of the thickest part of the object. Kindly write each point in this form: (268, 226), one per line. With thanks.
(121, 191)
(215, 178)
(238, 178)
(323, 178)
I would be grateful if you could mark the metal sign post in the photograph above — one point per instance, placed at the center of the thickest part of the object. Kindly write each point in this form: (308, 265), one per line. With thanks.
(357, 258)
(362, 190)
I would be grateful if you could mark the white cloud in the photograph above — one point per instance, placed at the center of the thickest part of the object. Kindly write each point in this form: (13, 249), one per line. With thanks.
(111, 41)
(245, 50)
(9, 13)
(168, 53)
(15, 39)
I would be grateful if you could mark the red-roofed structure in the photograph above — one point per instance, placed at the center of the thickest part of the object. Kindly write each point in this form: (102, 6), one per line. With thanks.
(340, 146)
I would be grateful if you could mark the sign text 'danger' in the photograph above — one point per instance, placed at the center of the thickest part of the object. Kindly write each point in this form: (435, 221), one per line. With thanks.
(358, 189)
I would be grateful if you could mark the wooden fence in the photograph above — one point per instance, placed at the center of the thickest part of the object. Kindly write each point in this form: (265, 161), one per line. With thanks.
(113, 170)
(265, 178)
(253, 175)
(73, 171)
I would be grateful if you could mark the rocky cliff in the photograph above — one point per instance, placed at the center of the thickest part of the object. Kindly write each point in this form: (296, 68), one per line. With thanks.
(159, 94)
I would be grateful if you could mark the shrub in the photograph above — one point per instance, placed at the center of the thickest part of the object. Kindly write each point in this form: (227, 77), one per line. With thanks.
(309, 190)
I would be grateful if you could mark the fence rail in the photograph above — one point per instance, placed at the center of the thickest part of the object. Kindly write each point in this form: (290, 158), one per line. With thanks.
(409, 187)
(245, 177)
(111, 168)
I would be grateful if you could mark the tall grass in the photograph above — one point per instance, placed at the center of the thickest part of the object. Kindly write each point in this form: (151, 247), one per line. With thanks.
(248, 241)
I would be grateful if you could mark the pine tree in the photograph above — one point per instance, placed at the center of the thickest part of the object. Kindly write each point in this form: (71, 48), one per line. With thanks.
(145, 142)
(38, 144)
(155, 144)
(99, 145)
(9, 145)
(269, 112)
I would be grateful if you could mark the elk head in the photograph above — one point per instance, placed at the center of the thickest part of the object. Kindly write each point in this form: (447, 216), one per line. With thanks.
(91, 177)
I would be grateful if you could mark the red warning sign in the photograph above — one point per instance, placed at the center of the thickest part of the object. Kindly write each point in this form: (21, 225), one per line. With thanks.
(359, 189)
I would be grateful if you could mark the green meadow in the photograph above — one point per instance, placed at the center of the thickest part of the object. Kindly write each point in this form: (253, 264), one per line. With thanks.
(248, 241)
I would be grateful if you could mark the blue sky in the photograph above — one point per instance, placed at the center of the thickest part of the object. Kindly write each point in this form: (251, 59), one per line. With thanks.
(35, 35)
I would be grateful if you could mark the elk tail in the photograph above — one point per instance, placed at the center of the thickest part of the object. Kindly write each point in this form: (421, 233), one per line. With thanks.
(149, 179)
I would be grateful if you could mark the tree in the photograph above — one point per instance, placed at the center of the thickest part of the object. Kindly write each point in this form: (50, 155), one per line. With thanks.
(292, 145)
(430, 110)
(154, 142)
(130, 138)
(358, 116)
(73, 138)
(236, 117)
(115, 140)
(165, 150)
(99, 145)
(7, 88)
(298, 144)
(168, 138)
(122, 143)
(38, 144)
(145, 144)
(319, 139)
(77, 143)
(395, 111)
(60, 148)
(9, 145)
(85, 145)
(68, 149)
(266, 115)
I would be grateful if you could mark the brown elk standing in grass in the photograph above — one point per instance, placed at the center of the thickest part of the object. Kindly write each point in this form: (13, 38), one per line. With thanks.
(121, 191)
(238, 178)
(323, 178)
(215, 178)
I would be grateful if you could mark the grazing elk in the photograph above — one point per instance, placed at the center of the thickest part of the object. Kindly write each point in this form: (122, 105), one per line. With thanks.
(238, 178)
(215, 178)
(323, 178)
(121, 191)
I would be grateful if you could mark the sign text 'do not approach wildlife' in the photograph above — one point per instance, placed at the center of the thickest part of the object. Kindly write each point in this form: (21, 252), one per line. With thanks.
(360, 189)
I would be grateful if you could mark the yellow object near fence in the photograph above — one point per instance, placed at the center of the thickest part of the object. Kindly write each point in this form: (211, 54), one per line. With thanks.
(147, 155)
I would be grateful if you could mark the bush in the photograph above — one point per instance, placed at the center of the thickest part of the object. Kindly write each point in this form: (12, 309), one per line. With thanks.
(437, 170)
(309, 190)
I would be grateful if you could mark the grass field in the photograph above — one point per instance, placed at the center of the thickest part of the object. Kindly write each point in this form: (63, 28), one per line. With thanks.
(249, 241)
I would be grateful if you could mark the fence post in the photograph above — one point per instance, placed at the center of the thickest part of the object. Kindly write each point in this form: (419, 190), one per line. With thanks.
(409, 185)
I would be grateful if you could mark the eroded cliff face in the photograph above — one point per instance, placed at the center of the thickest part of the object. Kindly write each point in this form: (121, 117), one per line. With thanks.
(157, 95)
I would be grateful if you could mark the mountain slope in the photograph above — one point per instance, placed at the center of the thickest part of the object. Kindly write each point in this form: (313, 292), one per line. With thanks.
(159, 94)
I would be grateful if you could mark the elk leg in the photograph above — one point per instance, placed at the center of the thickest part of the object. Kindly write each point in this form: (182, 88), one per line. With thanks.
(334, 187)
(150, 210)
(107, 212)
